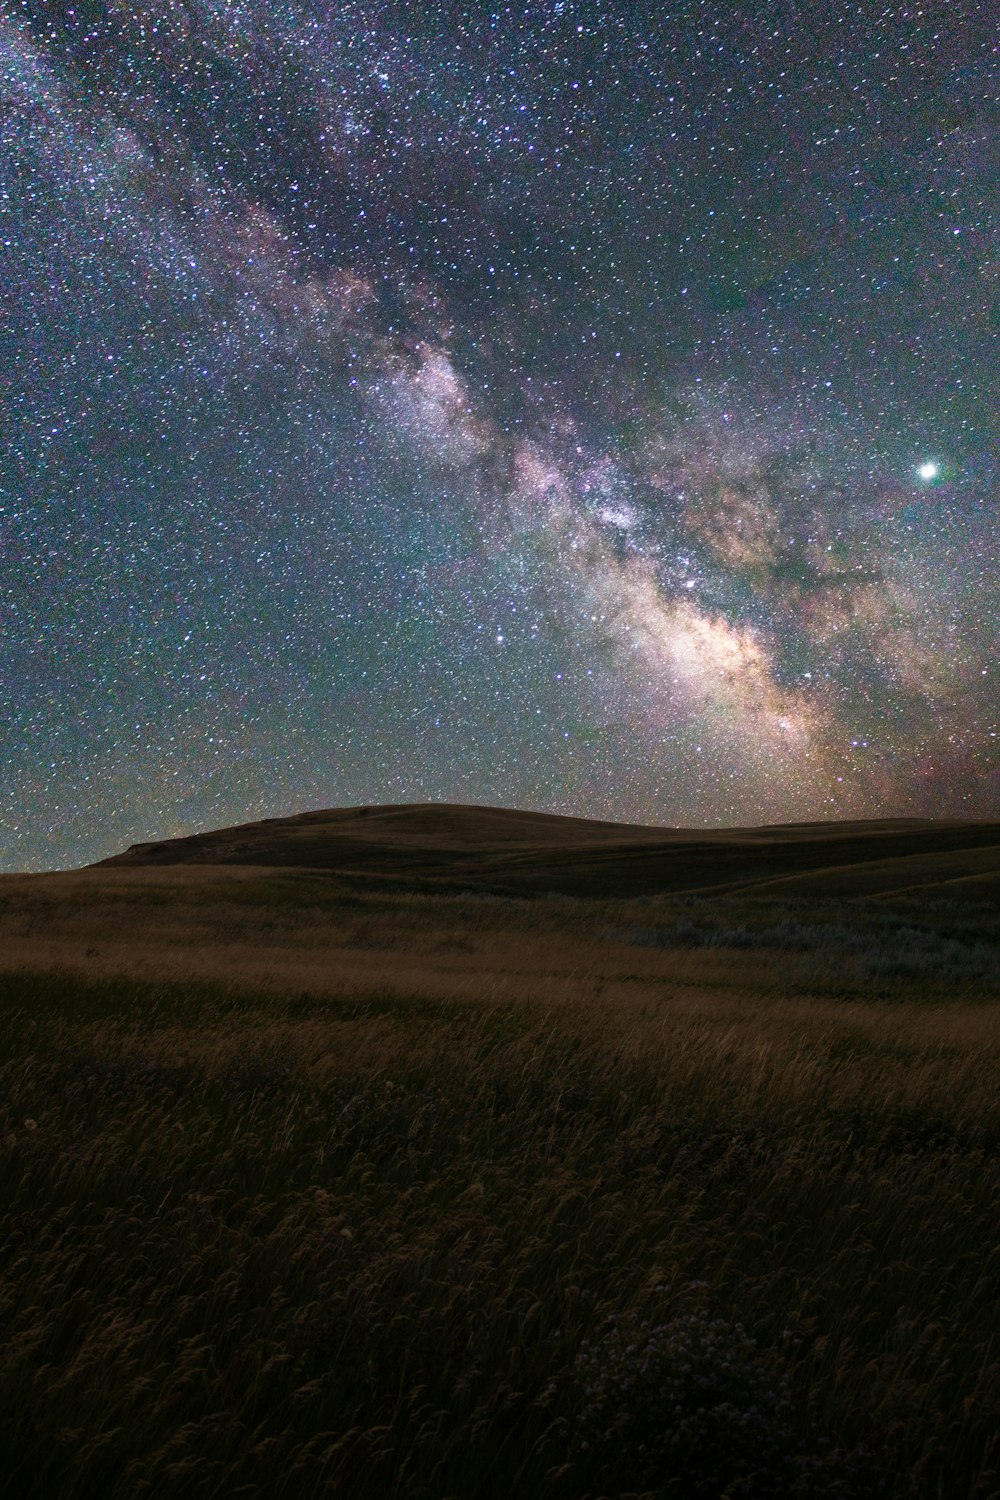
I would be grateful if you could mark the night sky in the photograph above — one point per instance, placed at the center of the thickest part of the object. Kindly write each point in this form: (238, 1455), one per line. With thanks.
(580, 407)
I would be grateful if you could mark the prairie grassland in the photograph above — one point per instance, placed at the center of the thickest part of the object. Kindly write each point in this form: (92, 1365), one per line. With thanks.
(311, 1192)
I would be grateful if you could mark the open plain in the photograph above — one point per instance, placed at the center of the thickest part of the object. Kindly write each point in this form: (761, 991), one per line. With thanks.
(452, 1152)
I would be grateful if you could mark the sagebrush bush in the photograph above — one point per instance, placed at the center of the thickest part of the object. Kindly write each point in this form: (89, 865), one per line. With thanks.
(691, 1407)
(887, 950)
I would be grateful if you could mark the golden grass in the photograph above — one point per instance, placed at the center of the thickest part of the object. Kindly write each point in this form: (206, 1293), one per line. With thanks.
(341, 1224)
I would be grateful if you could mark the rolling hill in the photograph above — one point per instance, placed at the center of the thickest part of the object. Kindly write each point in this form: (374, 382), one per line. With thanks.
(445, 845)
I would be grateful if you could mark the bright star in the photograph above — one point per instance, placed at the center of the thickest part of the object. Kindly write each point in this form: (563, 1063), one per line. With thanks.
(929, 470)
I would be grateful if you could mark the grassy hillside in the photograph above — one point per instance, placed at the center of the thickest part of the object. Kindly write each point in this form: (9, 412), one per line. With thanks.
(522, 852)
(313, 1184)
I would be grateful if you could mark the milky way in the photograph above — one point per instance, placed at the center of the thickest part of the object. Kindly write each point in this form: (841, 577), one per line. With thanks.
(574, 407)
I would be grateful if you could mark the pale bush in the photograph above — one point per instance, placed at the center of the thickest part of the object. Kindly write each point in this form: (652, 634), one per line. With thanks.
(690, 1407)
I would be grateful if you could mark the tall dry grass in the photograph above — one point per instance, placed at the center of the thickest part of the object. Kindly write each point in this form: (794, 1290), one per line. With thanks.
(379, 1232)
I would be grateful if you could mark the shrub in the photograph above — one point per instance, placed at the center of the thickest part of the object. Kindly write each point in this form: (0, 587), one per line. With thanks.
(689, 1407)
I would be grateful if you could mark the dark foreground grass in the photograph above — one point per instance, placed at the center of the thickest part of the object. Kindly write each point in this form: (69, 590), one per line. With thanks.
(264, 1248)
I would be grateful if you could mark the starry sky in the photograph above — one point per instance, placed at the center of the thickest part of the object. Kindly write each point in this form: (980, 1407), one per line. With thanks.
(581, 407)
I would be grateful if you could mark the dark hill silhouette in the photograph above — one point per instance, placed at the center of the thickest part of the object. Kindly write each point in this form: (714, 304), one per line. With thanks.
(435, 845)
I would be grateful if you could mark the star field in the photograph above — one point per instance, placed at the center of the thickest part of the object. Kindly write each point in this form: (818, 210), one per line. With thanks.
(580, 407)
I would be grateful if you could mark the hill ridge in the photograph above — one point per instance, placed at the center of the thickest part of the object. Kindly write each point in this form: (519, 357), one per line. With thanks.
(526, 852)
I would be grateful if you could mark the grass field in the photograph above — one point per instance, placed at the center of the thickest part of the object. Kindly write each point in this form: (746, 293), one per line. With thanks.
(316, 1190)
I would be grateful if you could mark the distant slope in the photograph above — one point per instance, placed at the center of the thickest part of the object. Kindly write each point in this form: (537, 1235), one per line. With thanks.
(502, 849)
